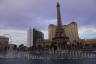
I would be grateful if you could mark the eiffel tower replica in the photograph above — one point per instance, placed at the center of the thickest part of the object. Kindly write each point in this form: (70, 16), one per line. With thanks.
(60, 35)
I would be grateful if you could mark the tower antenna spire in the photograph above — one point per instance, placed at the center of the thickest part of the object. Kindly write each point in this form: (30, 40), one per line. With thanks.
(59, 22)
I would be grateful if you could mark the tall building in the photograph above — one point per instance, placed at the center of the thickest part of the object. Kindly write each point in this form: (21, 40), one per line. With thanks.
(33, 35)
(37, 35)
(30, 37)
(60, 35)
(70, 30)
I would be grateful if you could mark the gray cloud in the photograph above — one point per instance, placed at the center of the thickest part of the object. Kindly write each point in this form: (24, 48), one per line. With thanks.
(19, 14)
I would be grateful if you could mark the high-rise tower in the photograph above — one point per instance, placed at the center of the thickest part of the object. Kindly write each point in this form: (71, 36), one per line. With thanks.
(33, 35)
(59, 22)
(30, 37)
(59, 30)
(60, 36)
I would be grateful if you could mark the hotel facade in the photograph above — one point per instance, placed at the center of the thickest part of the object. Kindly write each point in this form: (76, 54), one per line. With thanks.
(71, 31)
(33, 35)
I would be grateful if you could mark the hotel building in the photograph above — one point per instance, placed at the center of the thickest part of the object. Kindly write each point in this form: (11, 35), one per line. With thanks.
(70, 30)
(4, 41)
(32, 36)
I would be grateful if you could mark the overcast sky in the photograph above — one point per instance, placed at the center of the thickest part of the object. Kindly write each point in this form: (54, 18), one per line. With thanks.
(17, 15)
